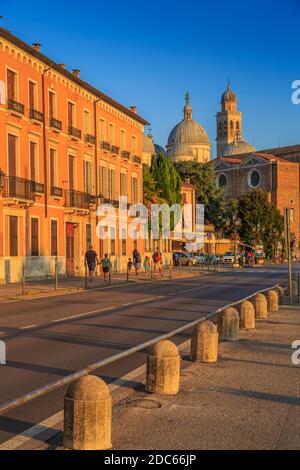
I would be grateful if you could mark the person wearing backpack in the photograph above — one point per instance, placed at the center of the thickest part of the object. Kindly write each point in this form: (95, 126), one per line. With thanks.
(106, 266)
(137, 261)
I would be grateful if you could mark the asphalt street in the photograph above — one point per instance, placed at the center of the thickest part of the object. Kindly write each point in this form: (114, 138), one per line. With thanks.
(50, 338)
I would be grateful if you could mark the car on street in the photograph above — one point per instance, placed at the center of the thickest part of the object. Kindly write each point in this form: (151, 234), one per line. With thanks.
(184, 259)
(228, 257)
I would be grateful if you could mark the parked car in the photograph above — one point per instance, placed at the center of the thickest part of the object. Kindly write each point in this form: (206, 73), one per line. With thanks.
(228, 257)
(184, 259)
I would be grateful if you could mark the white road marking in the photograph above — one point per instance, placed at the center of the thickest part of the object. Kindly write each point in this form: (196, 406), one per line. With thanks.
(27, 327)
(196, 288)
(146, 300)
(127, 305)
(83, 314)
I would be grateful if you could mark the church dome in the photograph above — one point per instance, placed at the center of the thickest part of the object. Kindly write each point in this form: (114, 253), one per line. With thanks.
(148, 144)
(228, 95)
(188, 130)
(238, 147)
(181, 149)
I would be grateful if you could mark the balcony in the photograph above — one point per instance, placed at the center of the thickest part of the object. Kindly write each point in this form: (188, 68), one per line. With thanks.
(125, 155)
(36, 115)
(89, 139)
(114, 149)
(105, 146)
(56, 192)
(37, 188)
(18, 188)
(136, 159)
(76, 133)
(78, 199)
(55, 124)
(15, 106)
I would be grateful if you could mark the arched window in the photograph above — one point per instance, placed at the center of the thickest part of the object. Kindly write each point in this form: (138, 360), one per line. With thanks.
(231, 124)
(237, 125)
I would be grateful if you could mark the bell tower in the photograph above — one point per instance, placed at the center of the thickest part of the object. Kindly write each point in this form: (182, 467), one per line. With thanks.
(229, 121)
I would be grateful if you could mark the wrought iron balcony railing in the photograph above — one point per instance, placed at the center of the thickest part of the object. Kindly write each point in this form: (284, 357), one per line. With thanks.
(20, 188)
(89, 139)
(78, 199)
(56, 192)
(37, 188)
(55, 123)
(36, 115)
(75, 132)
(136, 159)
(115, 150)
(15, 106)
(105, 146)
(125, 154)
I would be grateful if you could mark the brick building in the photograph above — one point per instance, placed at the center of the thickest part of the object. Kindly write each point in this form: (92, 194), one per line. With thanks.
(65, 147)
(277, 176)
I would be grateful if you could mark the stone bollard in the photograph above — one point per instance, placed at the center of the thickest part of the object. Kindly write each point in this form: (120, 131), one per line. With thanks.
(229, 324)
(281, 293)
(204, 342)
(272, 298)
(87, 415)
(247, 315)
(261, 306)
(163, 369)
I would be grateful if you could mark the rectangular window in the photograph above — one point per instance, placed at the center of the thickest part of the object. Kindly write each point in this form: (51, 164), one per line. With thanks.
(102, 130)
(103, 181)
(88, 236)
(52, 104)
(124, 244)
(34, 237)
(87, 122)
(53, 181)
(32, 95)
(123, 140)
(123, 184)
(71, 114)
(11, 85)
(112, 241)
(134, 189)
(134, 145)
(112, 134)
(71, 171)
(112, 185)
(54, 243)
(13, 235)
(12, 155)
(33, 160)
(87, 175)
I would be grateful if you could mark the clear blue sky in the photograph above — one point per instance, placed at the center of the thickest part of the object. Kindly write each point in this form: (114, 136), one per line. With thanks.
(150, 53)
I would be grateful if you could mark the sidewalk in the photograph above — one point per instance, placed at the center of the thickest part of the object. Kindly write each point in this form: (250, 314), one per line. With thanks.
(250, 399)
(13, 292)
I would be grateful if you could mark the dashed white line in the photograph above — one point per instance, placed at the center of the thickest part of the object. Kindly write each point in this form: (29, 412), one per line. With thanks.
(27, 327)
(83, 314)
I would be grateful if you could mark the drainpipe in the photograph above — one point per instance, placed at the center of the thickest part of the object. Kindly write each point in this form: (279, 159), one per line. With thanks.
(45, 143)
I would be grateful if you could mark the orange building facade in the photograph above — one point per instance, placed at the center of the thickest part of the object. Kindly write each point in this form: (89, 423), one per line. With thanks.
(65, 147)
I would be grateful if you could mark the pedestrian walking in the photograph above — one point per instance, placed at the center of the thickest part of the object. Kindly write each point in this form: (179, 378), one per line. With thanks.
(147, 265)
(136, 261)
(91, 260)
(129, 265)
(106, 267)
(158, 262)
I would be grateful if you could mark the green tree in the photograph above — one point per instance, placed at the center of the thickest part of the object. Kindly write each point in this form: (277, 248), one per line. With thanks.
(260, 221)
(202, 176)
(168, 181)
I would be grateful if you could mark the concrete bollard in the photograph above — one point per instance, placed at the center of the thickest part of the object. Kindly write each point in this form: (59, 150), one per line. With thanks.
(163, 369)
(204, 342)
(261, 306)
(272, 298)
(229, 324)
(87, 415)
(247, 315)
(281, 293)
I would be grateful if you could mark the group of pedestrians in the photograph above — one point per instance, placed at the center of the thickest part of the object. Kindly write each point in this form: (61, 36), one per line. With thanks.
(134, 264)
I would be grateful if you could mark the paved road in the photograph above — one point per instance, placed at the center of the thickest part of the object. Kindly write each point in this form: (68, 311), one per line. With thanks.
(50, 338)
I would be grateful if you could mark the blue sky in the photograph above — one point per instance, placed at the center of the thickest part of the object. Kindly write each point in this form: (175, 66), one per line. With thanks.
(150, 53)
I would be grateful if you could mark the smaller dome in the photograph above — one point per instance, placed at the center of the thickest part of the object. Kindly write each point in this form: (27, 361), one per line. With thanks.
(148, 144)
(228, 95)
(181, 149)
(160, 149)
(238, 147)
